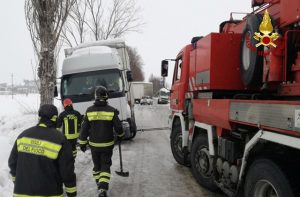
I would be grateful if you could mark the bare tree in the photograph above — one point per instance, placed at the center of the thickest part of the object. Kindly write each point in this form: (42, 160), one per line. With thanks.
(45, 20)
(100, 20)
(156, 83)
(74, 31)
(136, 64)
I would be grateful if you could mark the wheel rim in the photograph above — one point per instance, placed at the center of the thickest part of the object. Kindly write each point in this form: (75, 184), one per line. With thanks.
(264, 188)
(178, 145)
(246, 52)
(203, 162)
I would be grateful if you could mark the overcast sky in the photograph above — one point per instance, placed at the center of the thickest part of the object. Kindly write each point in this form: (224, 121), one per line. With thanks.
(170, 25)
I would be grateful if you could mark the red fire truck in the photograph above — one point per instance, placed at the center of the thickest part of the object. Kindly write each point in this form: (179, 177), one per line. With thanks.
(235, 103)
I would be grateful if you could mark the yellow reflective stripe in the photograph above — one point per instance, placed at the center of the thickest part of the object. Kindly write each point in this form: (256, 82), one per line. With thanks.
(101, 144)
(105, 174)
(75, 126)
(66, 125)
(96, 176)
(13, 178)
(104, 180)
(54, 118)
(96, 172)
(70, 189)
(82, 141)
(38, 147)
(72, 136)
(122, 134)
(100, 116)
(24, 195)
(42, 125)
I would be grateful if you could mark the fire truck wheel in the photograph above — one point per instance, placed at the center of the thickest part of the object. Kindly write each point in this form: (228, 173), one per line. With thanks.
(202, 163)
(251, 56)
(176, 142)
(266, 179)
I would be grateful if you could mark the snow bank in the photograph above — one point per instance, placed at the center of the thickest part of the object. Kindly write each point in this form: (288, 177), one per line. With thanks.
(16, 115)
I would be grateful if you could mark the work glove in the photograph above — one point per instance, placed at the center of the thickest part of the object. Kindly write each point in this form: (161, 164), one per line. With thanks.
(83, 148)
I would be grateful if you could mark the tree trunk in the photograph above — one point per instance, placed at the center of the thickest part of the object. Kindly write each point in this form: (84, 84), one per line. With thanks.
(47, 75)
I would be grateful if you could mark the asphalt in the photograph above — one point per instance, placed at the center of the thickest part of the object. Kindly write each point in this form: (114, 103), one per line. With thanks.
(153, 172)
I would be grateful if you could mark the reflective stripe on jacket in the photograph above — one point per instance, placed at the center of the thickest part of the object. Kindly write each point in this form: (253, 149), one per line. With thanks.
(40, 162)
(70, 120)
(99, 124)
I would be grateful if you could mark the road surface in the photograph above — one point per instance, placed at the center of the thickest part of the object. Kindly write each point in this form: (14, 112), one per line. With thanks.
(148, 158)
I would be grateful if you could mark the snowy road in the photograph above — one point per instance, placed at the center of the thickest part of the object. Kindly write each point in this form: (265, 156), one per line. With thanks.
(148, 158)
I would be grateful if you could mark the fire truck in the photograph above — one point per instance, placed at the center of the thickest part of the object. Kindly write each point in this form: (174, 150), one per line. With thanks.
(235, 103)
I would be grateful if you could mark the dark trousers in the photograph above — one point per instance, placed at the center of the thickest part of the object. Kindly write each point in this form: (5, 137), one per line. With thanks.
(73, 144)
(101, 171)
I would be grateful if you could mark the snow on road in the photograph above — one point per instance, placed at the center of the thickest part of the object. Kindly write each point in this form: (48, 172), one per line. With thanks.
(148, 158)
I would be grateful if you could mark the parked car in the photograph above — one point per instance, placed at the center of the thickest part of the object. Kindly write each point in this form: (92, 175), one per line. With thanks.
(146, 100)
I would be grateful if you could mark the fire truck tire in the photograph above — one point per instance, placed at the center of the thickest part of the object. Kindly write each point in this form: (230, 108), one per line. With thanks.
(265, 178)
(176, 142)
(251, 56)
(202, 163)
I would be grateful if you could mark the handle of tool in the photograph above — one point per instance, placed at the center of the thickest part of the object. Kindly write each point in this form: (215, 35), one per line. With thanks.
(120, 153)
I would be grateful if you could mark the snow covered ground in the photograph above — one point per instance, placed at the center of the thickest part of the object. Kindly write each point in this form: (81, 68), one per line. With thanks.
(16, 115)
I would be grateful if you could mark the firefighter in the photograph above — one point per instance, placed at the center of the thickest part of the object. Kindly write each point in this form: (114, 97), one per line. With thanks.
(98, 124)
(41, 159)
(70, 119)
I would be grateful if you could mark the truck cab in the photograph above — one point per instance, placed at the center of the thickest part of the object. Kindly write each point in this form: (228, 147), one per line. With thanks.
(101, 63)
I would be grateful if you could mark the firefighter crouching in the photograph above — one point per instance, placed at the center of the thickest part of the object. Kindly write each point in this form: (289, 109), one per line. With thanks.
(98, 124)
(41, 159)
(70, 120)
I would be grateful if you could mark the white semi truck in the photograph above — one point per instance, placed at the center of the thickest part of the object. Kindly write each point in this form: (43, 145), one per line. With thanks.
(140, 89)
(104, 63)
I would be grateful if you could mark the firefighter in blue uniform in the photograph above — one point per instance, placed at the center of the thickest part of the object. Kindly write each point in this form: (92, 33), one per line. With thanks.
(70, 120)
(41, 159)
(98, 125)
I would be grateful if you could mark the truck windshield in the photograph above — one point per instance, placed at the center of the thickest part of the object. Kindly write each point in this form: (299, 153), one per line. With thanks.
(162, 93)
(81, 86)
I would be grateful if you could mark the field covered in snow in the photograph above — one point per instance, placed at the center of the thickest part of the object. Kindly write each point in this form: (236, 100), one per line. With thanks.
(16, 115)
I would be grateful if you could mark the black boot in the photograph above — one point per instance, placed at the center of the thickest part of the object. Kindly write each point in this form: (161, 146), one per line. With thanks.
(102, 193)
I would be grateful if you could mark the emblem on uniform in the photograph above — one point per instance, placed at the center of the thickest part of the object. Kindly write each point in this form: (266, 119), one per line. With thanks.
(266, 36)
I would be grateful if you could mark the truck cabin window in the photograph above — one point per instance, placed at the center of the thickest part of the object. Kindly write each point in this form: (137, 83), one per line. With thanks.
(83, 84)
(179, 68)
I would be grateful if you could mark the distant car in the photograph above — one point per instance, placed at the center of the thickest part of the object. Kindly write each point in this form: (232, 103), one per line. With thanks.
(146, 100)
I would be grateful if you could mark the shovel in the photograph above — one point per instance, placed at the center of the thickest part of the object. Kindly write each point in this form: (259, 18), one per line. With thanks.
(121, 173)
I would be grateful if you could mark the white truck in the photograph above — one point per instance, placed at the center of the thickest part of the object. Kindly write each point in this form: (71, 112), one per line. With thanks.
(140, 89)
(104, 63)
(163, 96)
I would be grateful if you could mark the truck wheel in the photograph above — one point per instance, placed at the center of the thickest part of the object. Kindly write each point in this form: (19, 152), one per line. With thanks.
(132, 128)
(251, 56)
(265, 179)
(202, 163)
(176, 142)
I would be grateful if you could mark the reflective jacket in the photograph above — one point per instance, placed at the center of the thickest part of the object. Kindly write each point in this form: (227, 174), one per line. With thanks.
(40, 162)
(70, 119)
(99, 123)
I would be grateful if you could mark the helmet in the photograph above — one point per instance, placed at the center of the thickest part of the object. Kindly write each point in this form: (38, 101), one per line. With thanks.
(48, 111)
(67, 102)
(101, 93)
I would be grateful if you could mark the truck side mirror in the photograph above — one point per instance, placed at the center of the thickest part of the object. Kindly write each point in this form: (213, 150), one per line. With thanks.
(129, 76)
(164, 68)
(55, 91)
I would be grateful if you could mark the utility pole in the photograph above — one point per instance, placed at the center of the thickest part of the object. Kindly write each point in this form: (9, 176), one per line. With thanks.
(12, 86)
